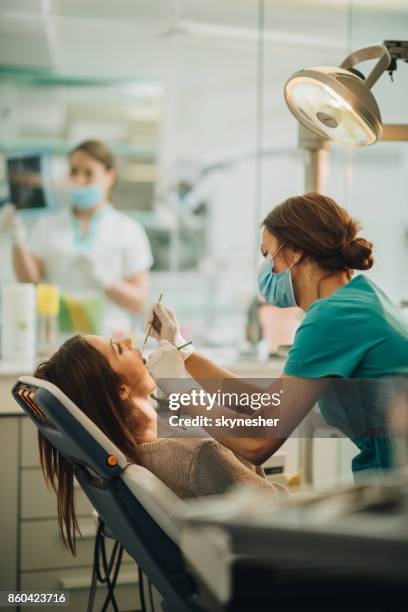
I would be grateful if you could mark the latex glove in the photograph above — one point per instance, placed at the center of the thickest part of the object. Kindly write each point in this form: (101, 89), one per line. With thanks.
(166, 367)
(11, 224)
(168, 327)
(97, 275)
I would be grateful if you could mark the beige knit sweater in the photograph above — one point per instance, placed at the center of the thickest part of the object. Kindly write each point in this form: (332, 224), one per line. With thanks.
(192, 467)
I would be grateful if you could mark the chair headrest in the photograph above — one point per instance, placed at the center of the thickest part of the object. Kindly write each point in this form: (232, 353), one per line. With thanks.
(67, 427)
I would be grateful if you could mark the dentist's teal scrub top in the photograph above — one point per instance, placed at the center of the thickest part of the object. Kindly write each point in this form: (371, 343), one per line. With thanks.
(355, 333)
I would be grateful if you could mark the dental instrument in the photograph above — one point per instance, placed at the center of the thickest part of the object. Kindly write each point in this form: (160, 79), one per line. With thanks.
(150, 326)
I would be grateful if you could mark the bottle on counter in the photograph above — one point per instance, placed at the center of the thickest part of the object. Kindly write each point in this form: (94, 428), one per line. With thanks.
(18, 310)
(48, 303)
(253, 329)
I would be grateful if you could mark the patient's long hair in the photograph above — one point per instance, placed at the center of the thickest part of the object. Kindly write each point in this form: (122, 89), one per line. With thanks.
(87, 378)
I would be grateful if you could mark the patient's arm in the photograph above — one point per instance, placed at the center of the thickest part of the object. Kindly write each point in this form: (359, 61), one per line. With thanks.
(215, 469)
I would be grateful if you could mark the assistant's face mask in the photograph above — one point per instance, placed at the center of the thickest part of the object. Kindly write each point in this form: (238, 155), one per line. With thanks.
(85, 197)
(276, 287)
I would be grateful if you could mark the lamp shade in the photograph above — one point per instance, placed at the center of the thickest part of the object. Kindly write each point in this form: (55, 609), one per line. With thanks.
(336, 104)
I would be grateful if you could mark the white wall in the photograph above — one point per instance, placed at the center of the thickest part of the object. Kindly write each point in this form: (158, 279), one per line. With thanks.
(210, 106)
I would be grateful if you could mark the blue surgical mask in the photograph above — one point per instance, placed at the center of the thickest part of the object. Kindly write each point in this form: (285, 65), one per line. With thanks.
(85, 197)
(276, 287)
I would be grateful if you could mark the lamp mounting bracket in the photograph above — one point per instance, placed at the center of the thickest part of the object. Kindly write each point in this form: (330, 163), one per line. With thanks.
(398, 50)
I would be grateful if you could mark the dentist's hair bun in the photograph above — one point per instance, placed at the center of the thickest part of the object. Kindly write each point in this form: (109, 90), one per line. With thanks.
(357, 254)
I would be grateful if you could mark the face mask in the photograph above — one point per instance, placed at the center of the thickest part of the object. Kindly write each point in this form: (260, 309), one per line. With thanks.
(276, 287)
(87, 196)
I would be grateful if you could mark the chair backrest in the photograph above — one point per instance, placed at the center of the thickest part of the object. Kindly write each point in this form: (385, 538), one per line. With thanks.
(140, 511)
(159, 501)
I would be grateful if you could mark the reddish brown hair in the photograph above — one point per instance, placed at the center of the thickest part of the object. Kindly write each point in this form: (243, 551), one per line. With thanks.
(322, 229)
(87, 378)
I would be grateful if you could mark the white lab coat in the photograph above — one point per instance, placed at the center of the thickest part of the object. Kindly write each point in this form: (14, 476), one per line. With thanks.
(115, 243)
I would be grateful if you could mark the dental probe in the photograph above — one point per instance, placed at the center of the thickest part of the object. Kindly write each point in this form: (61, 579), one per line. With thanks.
(150, 326)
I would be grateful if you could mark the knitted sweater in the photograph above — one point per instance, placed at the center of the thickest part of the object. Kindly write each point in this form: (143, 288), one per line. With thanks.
(193, 467)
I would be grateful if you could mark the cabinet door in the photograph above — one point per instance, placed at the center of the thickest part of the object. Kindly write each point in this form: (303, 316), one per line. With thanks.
(8, 501)
(40, 501)
(77, 583)
(43, 535)
(30, 456)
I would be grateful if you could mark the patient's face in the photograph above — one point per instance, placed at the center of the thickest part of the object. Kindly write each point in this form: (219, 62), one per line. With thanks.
(127, 362)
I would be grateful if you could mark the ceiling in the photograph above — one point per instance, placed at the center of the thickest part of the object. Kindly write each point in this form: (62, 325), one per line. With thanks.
(131, 38)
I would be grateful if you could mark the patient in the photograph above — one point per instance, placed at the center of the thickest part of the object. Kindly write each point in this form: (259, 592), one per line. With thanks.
(109, 382)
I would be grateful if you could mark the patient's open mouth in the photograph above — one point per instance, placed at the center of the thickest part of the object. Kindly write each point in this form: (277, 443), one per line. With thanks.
(144, 361)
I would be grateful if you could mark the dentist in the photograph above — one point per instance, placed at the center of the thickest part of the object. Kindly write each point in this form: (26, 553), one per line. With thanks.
(351, 330)
(89, 246)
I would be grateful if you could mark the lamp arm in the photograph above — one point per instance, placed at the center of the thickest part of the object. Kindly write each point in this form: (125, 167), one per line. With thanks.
(369, 53)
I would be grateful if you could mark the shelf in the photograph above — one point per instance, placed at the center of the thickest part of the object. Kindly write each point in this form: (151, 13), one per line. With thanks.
(46, 78)
(63, 147)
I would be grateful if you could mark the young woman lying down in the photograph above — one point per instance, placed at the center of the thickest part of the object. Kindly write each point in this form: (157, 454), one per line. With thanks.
(110, 383)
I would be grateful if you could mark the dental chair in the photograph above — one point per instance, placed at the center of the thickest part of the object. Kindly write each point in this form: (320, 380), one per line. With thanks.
(140, 511)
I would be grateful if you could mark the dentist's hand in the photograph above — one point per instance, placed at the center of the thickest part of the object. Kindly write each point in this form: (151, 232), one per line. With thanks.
(11, 224)
(166, 363)
(167, 327)
(166, 367)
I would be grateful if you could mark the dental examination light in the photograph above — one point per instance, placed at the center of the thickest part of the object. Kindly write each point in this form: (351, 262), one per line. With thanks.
(337, 103)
